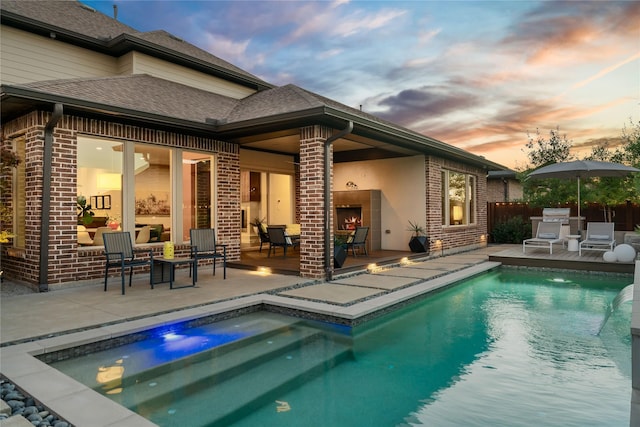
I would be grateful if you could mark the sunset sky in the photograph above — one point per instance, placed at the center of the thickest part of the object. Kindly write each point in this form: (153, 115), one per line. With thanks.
(478, 75)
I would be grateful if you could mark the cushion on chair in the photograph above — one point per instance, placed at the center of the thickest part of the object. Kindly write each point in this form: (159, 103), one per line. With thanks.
(599, 237)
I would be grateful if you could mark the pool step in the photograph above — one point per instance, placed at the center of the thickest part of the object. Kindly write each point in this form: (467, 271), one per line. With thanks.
(252, 342)
(220, 403)
(220, 386)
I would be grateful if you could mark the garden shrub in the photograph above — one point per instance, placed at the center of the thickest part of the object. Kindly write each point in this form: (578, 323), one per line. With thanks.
(513, 230)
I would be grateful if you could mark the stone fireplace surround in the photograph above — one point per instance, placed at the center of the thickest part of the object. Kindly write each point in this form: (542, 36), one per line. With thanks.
(367, 202)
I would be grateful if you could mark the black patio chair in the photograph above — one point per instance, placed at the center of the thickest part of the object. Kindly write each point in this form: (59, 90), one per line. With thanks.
(359, 240)
(263, 235)
(119, 251)
(278, 238)
(204, 246)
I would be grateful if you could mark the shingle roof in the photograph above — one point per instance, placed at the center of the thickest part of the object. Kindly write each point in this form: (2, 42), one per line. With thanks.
(169, 41)
(69, 15)
(143, 93)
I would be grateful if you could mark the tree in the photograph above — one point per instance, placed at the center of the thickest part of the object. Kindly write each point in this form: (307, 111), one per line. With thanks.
(543, 152)
(606, 191)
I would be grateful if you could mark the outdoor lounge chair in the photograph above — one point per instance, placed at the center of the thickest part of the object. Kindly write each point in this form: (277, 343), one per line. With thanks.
(204, 246)
(278, 238)
(547, 234)
(600, 237)
(120, 254)
(358, 240)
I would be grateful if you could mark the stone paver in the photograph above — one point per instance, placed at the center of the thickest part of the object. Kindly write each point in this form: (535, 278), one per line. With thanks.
(333, 293)
(416, 273)
(376, 281)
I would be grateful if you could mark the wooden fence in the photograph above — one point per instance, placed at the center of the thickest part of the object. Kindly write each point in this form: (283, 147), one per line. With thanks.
(625, 216)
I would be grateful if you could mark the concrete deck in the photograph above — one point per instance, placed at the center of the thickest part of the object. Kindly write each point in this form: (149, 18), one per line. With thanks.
(35, 324)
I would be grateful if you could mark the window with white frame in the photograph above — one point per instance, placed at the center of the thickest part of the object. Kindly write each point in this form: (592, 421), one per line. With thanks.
(458, 198)
(156, 192)
(19, 194)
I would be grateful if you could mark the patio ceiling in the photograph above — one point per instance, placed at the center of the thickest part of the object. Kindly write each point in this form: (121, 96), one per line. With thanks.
(353, 147)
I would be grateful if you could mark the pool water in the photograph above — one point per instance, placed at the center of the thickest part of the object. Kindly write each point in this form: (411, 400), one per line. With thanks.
(507, 348)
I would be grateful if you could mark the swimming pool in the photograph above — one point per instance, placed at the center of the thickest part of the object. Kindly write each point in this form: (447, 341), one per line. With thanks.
(507, 348)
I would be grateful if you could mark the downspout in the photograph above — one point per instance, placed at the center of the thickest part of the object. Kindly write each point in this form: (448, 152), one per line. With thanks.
(46, 197)
(328, 256)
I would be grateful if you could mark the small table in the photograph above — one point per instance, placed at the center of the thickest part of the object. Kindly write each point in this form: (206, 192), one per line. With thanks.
(572, 242)
(168, 266)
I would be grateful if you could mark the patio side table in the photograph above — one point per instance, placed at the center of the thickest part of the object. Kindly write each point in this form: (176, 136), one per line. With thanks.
(572, 242)
(165, 270)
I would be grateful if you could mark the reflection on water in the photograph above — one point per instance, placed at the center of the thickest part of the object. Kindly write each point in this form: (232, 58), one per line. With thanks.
(508, 348)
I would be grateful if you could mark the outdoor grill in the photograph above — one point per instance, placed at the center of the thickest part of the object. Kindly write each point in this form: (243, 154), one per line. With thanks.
(556, 215)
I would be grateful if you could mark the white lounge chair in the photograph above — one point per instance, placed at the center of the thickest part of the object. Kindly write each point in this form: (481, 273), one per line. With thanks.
(600, 237)
(547, 234)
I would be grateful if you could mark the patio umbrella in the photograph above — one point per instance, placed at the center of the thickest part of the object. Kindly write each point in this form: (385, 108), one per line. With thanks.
(582, 169)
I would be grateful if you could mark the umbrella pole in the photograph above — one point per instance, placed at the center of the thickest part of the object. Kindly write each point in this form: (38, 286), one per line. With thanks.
(579, 217)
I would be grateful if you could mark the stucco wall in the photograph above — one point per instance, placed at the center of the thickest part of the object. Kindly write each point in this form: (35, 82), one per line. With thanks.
(411, 191)
(402, 184)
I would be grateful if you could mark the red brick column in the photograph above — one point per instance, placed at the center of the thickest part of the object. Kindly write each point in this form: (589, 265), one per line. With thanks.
(312, 140)
(228, 209)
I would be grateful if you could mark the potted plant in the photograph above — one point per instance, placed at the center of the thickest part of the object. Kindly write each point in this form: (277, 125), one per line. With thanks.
(419, 240)
(85, 216)
(339, 251)
(113, 222)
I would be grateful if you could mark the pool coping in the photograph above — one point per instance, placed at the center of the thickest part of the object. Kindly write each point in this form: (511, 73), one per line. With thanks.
(70, 399)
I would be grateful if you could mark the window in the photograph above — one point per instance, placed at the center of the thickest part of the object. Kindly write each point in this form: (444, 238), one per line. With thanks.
(197, 185)
(458, 198)
(153, 192)
(146, 189)
(99, 181)
(19, 195)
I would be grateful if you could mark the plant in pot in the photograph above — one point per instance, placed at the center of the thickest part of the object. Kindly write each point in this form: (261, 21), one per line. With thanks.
(419, 240)
(85, 216)
(339, 251)
(113, 222)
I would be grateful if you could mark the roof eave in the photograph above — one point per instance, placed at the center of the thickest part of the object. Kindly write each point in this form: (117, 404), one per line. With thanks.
(338, 118)
(118, 113)
(125, 43)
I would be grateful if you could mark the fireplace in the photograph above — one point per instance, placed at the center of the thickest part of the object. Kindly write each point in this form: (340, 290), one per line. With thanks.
(355, 208)
(348, 218)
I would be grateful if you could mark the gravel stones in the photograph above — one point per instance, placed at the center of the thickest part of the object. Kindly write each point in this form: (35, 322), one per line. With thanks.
(26, 406)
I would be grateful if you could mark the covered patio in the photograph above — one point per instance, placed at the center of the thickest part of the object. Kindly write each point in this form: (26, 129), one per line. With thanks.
(254, 260)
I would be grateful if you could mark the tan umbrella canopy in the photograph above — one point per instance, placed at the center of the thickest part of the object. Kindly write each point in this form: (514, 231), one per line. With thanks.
(582, 169)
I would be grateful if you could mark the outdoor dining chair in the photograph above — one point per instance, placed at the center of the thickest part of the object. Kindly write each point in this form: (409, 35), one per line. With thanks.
(358, 240)
(278, 239)
(120, 253)
(204, 246)
(263, 235)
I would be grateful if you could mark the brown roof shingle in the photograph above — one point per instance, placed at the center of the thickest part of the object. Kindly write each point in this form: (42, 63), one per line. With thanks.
(143, 93)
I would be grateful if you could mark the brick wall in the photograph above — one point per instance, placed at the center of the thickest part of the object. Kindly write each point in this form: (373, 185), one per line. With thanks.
(68, 263)
(312, 140)
(456, 236)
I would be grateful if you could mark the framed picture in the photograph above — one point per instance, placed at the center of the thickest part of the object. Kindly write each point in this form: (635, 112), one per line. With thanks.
(101, 202)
